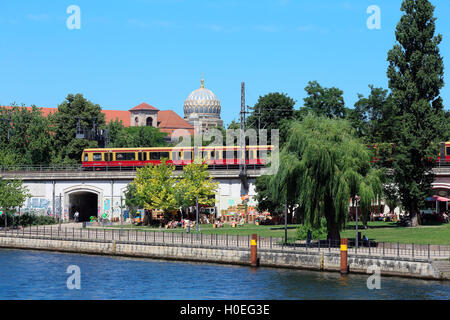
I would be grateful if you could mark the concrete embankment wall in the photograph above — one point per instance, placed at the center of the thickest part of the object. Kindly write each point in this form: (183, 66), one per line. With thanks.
(270, 258)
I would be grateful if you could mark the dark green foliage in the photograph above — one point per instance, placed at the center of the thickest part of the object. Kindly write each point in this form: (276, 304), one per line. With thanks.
(26, 219)
(328, 102)
(132, 199)
(67, 149)
(274, 107)
(264, 198)
(30, 138)
(134, 137)
(415, 73)
(317, 233)
(374, 117)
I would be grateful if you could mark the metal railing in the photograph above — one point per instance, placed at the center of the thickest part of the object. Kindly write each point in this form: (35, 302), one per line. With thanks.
(79, 168)
(368, 248)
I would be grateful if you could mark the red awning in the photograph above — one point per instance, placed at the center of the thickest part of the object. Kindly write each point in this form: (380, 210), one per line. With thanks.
(438, 198)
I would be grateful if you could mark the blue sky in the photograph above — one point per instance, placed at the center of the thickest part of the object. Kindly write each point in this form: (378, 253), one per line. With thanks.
(128, 52)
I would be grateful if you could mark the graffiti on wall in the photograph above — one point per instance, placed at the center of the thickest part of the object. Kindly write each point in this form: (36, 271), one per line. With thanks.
(106, 209)
(38, 205)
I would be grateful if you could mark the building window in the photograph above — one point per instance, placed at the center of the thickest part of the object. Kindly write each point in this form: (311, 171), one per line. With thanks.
(136, 120)
(149, 122)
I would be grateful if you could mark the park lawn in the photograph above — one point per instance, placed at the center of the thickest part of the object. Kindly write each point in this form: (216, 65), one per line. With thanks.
(245, 230)
(439, 234)
(378, 230)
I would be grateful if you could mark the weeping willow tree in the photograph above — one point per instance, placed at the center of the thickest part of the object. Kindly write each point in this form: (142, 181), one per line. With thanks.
(322, 166)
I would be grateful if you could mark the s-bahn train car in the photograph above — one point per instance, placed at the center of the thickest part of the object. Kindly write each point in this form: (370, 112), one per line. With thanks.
(444, 154)
(128, 158)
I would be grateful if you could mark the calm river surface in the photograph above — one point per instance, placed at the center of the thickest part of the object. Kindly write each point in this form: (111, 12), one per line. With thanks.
(42, 275)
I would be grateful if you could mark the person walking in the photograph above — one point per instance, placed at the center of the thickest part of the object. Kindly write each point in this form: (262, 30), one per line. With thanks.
(75, 215)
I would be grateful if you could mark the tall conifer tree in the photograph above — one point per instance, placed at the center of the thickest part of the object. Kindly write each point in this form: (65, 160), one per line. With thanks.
(415, 73)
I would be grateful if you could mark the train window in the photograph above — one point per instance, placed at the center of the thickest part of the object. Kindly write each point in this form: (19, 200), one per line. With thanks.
(139, 156)
(164, 155)
(125, 156)
(176, 155)
(187, 155)
(107, 157)
(97, 157)
(213, 154)
(86, 157)
(447, 152)
(155, 155)
(145, 156)
(230, 154)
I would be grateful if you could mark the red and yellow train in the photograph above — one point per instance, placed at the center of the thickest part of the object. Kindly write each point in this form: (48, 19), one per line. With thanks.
(110, 158)
(444, 155)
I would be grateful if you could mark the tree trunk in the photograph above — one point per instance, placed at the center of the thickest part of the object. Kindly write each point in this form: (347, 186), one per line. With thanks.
(332, 226)
(415, 216)
(333, 232)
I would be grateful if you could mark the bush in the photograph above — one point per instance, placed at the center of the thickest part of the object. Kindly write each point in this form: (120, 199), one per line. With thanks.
(26, 219)
(316, 233)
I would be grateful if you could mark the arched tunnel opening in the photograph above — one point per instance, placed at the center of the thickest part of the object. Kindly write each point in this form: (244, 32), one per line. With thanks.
(85, 203)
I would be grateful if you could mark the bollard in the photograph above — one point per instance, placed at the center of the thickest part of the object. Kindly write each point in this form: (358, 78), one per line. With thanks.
(344, 262)
(254, 251)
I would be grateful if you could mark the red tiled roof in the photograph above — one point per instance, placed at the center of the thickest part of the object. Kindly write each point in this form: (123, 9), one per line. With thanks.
(111, 115)
(144, 106)
(169, 119)
(45, 111)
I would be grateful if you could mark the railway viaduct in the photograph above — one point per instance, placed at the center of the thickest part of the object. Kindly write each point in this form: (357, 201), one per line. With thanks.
(98, 193)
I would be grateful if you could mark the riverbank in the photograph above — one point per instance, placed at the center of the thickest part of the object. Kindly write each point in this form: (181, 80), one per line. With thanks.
(207, 252)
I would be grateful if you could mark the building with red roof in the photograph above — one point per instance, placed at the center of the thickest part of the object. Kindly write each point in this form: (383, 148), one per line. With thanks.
(141, 115)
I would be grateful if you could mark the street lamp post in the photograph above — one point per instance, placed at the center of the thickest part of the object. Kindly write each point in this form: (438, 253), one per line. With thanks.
(121, 215)
(356, 219)
(60, 212)
(196, 214)
(285, 222)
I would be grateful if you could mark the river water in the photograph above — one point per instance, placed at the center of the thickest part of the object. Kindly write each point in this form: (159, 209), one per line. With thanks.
(43, 275)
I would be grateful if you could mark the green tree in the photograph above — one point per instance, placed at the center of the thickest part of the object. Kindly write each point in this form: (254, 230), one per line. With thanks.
(322, 166)
(12, 194)
(234, 125)
(156, 187)
(374, 117)
(328, 102)
(145, 137)
(30, 136)
(66, 148)
(264, 197)
(416, 75)
(273, 107)
(195, 182)
(134, 137)
(132, 199)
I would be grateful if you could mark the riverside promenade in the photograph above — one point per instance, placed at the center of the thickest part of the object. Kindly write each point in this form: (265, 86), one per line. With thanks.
(406, 260)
